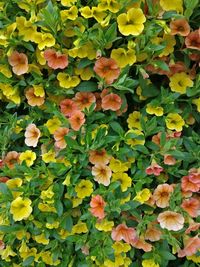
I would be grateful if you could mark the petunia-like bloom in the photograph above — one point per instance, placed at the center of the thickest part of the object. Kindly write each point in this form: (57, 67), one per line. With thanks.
(176, 5)
(102, 174)
(171, 220)
(140, 243)
(149, 263)
(21, 208)
(179, 82)
(32, 135)
(169, 159)
(112, 102)
(99, 157)
(194, 176)
(19, 63)
(132, 22)
(174, 122)
(4, 179)
(158, 111)
(193, 40)
(34, 98)
(76, 120)
(162, 194)
(188, 185)
(107, 69)
(152, 233)
(192, 227)
(68, 107)
(84, 188)
(123, 57)
(192, 245)
(55, 60)
(59, 135)
(97, 205)
(180, 27)
(123, 232)
(84, 100)
(124, 179)
(154, 168)
(28, 156)
(191, 206)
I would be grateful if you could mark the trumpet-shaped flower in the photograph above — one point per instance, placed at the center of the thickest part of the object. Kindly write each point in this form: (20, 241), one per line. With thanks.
(67, 81)
(176, 5)
(171, 220)
(97, 205)
(179, 82)
(32, 135)
(21, 208)
(123, 57)
(55, 60)
(102, 174)
(124, 179)
(158, 111)
(19, 63)
(28, 156)
(174, 122)
(84, 188)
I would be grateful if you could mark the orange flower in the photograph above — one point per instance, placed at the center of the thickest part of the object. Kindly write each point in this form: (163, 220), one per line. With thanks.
(171, 220)
(192, 227)
(152, 233)
(162, 194)
(98, 101)
(122, 232)
(4, 179)
(107, 69)
(76, 120)
(193, 40)
(111, 101)
(140, 243)
(194, 176)
(97, 205)
(34, 100)
(68, 107)
(188, 185)
(59, 135)
(191, 206)
(102, 174)
(11, 159)
(99, 157)
(84, 99)
(19, 63)
(32, 135)
(169, 159)
(177, 67)
(55, 60)
(180, 26)
(192, 245)
(155, 169)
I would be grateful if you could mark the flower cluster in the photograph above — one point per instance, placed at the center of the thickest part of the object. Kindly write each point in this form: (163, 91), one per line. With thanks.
(99, 136)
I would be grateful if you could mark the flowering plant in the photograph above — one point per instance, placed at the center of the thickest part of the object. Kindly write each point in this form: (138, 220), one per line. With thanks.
(99, 135)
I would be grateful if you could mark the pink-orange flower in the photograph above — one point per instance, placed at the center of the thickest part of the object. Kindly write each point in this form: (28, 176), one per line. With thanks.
(11, 159)
(152, 233)
(169, 159)
(180, 27)
(84, 99)
(194, 176)
(68, 107)
(59, 135)
(4, 179)
(162, 194)
(19, 63)
(102, 174)
(154, 168)
(107, 69)
(188, 185)
(193, 40)
(97, 205)
(32, 135)
(191, 206)
(99, 157)
(192, 227)
(55, 60)
(112, 102)
(123, 232)
(192, 245)
(171, 220)
(140, 243)
(34, 100)
(76, 120)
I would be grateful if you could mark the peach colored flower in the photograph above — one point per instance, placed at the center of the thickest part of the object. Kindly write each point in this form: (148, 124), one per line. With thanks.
(68, 107)
(192, 245)
(112, 102)
(171, 220)
(97, 205)
(102, 174)
(32, 135)
(192, 227)
(162, 194)
(122, 232)
(169, 159)
(188, 185)
(99, 157)
(84, 99)
(191, 206)
(180, 27)
(177, 67)
(59, 135)
(55, 60)
(156, 138)
(140, 243)
(194, 176)
(193, 40)
(34, 100)
(154, 168)
(152, 233)
(107, 69)
(19, 63)
(11, 159)
(76, 120)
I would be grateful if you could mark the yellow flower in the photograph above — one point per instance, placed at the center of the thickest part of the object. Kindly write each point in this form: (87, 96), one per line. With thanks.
(133, 141)
(134, 120)
(118, 166)
(176, 5)
(53, 225)
(44, 40)
(123, 57)
(38, 90)
(131, 22)
(120, 247)
(79, 228)
(84, 188)
(21, 208)
(104, 225)
(119, 262)
(7, 253)
(53, 124)
(83, 51)
(179, 82)
(40, 57)
(86, 12)
(111, 5)
(5, 71)
(196, 101)
(95, 12)
(174, 122)
(26, 29)
(41, 239)
(125, 199)
(170, 43)
(67, 81)
(14, 183)
(63, 233)
(149, 263)
(47, 258)
(49, 156)
(47, 194)
(68, 3)
(85, 73)
(139, 93)
(194, 258)
(26, 252)
(125, 180)
(143, 195)
(70, 26)
(28, 156)
(10, 93)
(70, 14)
(46, 207)
(158, 111)
(21, 234)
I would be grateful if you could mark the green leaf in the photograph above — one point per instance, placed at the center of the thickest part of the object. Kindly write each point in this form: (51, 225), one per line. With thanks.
(10, 229)
(111, 33)
(167, 255)
(161, 64)
(87, 87)
(116, 127)
(67, 223)
(59, 207)
(28, 261)
(190, 6)
(142, 149)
